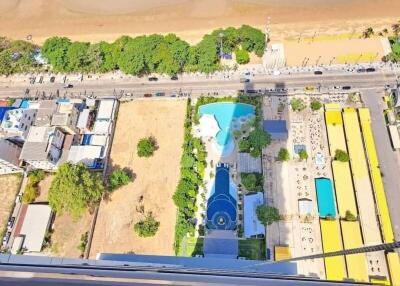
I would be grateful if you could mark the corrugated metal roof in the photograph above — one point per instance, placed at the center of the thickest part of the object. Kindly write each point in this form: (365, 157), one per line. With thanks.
(105, 110)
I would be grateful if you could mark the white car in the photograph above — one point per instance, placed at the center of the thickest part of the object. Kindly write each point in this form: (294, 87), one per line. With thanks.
(276, 72)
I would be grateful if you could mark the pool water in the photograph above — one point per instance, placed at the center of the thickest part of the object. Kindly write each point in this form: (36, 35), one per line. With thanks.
(325, 197)
(228, 115)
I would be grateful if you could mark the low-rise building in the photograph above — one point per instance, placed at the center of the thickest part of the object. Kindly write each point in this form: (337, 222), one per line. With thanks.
(32, 225)
(10, 150)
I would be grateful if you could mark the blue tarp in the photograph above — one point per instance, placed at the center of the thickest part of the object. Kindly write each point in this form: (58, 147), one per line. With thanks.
(3, 111)
(325, 197)
(86, 139)
(277, 129)
(252, 226)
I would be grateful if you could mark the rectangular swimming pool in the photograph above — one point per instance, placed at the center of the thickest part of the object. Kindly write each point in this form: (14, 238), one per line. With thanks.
(325, 197)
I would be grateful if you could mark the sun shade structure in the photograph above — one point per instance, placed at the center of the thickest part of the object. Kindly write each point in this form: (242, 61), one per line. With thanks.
(252, 226)
(325, 196)
(277, 129)
(208, 126)
(305, 206)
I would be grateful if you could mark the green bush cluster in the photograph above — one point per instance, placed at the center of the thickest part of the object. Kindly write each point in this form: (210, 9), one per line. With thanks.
(16, 56)
(267, 214)
(147, 227)
(146, 147)
(31, 191)
(341, 156)
(242, 56)
(193, 164)
(303, 155)
(255, 142)
(315, 105)
(394, 56)
(74, 189)
(297, 104)
(253, 182)
(83, 242)
(118, 178)
(151, 54)
(283, 155)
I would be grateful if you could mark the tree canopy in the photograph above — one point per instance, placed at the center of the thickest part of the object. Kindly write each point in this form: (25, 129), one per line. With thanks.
(303, 155)
(146, 147)
(315, 105)
(147, 227)
(118, 178)
(258, 139)
(253, 182)
(341, 156)
(283, 154)
(297, 104)
(74, 189)
(267, 214)
(242, 56)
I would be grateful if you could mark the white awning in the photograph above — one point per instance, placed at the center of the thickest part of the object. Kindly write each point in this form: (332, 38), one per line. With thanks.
(208, 126)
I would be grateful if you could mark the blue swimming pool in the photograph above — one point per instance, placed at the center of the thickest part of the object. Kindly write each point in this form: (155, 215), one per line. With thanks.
(325, 197)
(229, 115)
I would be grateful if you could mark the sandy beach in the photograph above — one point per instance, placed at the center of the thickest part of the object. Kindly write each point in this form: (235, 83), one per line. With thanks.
(95, 20)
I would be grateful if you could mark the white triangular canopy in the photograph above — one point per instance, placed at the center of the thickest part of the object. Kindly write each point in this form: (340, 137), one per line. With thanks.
(208, 126)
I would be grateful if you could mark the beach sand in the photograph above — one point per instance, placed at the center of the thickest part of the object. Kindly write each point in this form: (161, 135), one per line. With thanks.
(95, 20)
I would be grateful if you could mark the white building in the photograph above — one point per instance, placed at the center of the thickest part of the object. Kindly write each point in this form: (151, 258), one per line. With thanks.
(16, 122)
(10, 151)
(33, 223)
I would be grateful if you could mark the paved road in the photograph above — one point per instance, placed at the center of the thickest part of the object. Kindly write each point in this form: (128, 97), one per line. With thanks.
(203, 86)
(389, 159)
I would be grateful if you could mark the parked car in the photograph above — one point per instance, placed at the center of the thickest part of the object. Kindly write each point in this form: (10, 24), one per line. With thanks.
(160, 93)
(346, 87)
(174, 77)
(52, 79)
(318, 72)
(370, 69)
(251, 91)
(10, 223)
(147, 95)
(6, 238)
(360, 70)
(242, 80)
(68, 86)
(153, 78)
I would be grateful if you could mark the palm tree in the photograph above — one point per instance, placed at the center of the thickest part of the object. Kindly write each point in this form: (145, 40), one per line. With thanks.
(368, 32)
(396, 29)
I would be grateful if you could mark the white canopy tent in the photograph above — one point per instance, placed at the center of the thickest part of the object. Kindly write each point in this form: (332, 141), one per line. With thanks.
(208, 126)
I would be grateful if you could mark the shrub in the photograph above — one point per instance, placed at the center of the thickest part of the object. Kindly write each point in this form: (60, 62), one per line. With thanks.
(267, 214)
(118, 178)
(297, 104)
(315, 105)
(253, 182)
(303, 155)
(31, 191)
(242, 56)
(146, 147)
(341, 156)
(147, 227)
(283, 155)
(83, 242)
(349, 216)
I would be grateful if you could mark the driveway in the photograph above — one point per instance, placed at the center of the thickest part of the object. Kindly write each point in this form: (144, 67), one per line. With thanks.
(389, 159)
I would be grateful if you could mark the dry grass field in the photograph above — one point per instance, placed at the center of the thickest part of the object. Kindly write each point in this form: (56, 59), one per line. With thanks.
(9, 187)
(155, 179)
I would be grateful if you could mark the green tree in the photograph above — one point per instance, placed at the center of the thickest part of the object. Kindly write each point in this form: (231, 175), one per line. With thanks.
(303, 155)
(118, 178)
(253, 182)
(341, 156)
(77, 57)
(297, 104)
(146, 147)
(349, 216)
(258, 139)
(252, 39)
(55, 51)
(283, 155)
(242, 56)
(74, 189)
(31, 191)
(267, 214)
(147, 227)
(315, 105)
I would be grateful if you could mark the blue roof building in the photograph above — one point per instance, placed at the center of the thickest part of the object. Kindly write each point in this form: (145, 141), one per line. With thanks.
(252, 226)
(277, 129)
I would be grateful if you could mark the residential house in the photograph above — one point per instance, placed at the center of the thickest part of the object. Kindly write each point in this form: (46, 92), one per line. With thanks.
(10, 150)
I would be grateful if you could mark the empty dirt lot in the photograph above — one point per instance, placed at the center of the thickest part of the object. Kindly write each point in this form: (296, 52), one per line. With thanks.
(9, 187)
(155, 179)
